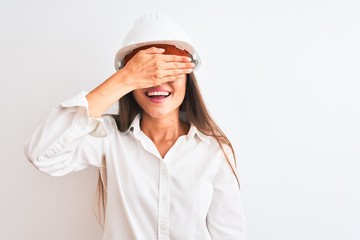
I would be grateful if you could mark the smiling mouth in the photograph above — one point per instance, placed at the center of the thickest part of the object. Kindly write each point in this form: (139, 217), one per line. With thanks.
(157, 94)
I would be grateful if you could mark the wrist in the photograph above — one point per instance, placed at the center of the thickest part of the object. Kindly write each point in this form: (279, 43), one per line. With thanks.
(123, 80)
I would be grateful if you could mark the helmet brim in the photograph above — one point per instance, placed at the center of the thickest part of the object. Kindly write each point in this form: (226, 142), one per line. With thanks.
(120, 55)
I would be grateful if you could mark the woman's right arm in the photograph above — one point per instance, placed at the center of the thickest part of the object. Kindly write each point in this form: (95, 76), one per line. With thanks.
(74, 134)
(147, 68)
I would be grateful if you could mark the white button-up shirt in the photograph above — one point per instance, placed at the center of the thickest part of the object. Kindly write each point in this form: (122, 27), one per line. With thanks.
(190, 194)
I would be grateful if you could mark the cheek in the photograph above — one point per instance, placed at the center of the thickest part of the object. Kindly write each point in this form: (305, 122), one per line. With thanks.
(180, 86)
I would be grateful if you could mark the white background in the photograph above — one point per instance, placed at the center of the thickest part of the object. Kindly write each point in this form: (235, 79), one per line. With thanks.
(280, 77)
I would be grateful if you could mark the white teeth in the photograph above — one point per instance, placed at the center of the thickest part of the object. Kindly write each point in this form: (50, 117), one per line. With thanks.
(158, 94)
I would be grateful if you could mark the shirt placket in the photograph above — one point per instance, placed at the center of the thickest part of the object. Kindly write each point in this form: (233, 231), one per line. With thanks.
(164, 203)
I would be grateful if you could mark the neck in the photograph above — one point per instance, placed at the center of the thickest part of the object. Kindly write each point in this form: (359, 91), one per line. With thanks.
(168, 128)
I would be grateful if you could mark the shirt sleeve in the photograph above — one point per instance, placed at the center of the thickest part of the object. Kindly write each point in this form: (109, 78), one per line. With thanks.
(69, 140)
(226, 217)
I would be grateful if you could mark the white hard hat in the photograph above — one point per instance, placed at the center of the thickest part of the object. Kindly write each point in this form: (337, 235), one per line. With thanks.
(156, 29)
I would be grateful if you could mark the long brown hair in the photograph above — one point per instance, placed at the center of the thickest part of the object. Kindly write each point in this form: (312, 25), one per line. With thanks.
(196, 113)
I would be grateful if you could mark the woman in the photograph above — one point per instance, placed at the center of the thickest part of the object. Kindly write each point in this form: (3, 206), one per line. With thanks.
(167, 170)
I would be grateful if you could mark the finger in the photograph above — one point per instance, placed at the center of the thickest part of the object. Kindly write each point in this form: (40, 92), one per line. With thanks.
(177, 65)
(153, 50)
(175, 72)
(172, 78)
(175, 58)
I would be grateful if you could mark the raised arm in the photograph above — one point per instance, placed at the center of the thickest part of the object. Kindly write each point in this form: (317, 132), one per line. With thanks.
(147, 68)
(74, 134)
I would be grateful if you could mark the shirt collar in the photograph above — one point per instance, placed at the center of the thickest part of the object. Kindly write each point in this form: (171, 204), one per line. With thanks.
(193, 131)
(135, 125)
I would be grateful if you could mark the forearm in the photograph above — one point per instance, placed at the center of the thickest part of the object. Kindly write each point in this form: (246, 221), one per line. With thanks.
(107, 93)
(147, 68)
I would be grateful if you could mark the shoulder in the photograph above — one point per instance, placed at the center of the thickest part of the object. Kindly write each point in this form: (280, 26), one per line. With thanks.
(213, 142)
(194, 132)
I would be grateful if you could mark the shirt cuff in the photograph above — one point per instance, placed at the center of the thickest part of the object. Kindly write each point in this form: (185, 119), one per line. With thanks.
(96, 124)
